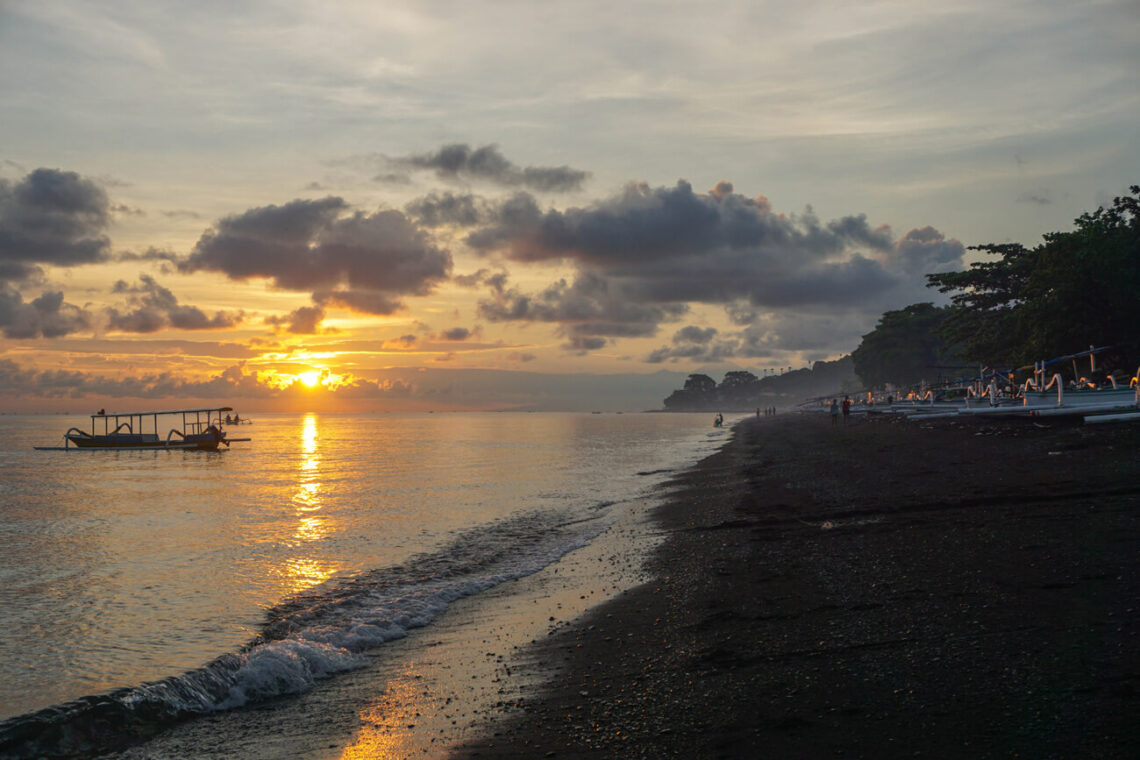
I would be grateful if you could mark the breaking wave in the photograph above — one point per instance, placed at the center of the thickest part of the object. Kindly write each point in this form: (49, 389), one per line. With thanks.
(309, 637)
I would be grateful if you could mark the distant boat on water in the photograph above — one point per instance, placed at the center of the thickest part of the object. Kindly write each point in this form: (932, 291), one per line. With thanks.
(202, 429)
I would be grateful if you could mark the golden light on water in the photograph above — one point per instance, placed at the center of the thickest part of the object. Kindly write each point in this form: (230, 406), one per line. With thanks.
(386, 725)
(303, 572)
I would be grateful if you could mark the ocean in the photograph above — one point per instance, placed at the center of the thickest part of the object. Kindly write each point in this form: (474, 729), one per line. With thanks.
(147, 587)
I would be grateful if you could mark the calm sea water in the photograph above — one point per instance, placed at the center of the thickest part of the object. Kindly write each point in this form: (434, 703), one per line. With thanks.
(182, 582)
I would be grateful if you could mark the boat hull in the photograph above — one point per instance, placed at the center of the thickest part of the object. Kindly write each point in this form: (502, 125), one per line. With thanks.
(204, 442)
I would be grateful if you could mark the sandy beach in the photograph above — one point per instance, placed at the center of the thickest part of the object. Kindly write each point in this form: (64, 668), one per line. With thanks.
(877, 589)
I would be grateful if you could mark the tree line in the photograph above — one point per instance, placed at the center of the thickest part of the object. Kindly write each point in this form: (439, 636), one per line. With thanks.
(743, 391)
(1074, 290)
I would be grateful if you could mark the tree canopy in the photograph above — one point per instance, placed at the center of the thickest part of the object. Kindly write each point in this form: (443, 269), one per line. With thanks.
(1075, 289)
(905, 347)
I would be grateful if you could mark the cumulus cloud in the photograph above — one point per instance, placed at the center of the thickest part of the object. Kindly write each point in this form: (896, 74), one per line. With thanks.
(362, 261)
(305, 320)
(44, 317)
(588, 311)
(443, 209)
(51, 217)
(646, 253)
(460, 162)
(152, 307)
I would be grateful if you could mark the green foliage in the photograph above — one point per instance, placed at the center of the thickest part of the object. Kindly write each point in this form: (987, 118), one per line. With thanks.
(1076, 289)
(905, 347)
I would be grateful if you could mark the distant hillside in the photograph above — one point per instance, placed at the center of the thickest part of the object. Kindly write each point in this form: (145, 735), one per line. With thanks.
(743, 391)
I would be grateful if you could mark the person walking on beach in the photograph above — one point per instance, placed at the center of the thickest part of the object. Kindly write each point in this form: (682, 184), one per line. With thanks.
(846, 408)
(834, 411)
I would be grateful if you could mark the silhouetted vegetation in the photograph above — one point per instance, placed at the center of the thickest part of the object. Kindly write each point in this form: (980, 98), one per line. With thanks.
(905, 348)
(1076, 289)
(743, 391)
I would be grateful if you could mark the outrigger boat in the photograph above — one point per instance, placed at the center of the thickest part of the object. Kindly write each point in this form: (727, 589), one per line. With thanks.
(202, 429)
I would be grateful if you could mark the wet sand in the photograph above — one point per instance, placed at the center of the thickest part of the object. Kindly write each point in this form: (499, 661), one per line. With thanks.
(878, 589)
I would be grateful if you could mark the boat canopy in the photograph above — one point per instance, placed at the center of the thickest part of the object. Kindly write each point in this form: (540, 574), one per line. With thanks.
(165, 411)
(1070, 357)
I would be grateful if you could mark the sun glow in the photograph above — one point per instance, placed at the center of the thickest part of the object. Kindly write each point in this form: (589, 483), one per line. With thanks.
(310, 379)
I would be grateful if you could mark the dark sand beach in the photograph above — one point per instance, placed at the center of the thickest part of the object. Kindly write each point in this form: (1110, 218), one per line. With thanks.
(878, 589)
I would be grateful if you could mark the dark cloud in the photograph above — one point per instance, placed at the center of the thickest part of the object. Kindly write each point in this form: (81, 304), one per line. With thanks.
(443, 209)
(773, 336)
(393, 178)
(364, 301)
(51, 217)
(362, 261)
(305, 320)
(44, 317)
(696, 344)
(150, 254)
(925, 251)
(646, 253)
(151, 307)
(404, 341)
(455, 334)
(460, 162)
(588, 311)
(694, 334)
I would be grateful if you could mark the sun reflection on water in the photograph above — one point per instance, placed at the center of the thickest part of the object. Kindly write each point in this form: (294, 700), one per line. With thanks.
(302, 571)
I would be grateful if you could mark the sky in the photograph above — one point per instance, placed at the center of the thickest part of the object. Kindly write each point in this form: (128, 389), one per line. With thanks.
(389, 206)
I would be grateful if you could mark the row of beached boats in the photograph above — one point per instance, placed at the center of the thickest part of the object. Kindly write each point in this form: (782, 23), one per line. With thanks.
(1095, 396)
(202, 429)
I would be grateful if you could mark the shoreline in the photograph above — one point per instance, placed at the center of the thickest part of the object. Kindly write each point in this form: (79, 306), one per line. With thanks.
(440, 685)
(883, 588)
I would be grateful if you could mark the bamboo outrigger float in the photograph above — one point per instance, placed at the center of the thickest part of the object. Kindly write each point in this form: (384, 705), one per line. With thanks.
(202, 429)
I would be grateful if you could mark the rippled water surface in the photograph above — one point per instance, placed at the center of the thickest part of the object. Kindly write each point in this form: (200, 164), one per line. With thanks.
(285, 555)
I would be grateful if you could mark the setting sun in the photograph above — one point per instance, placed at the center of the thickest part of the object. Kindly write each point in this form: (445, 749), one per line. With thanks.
(310, 379)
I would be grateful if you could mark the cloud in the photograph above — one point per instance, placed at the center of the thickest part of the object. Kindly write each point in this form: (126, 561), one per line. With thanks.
(459, 162)
(644, 255)
(51, 217)
(364, 301)
(588, 311)
(443, 209)
(926, 251)
(233, 382)
(773, 336)
(150, 254)
(47, 316)
(456, 334)
(305, 320)
(361, 261)
(151, 307)
(402, 342)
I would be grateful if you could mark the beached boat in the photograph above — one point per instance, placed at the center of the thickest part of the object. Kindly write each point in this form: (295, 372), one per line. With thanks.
(202, 429)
